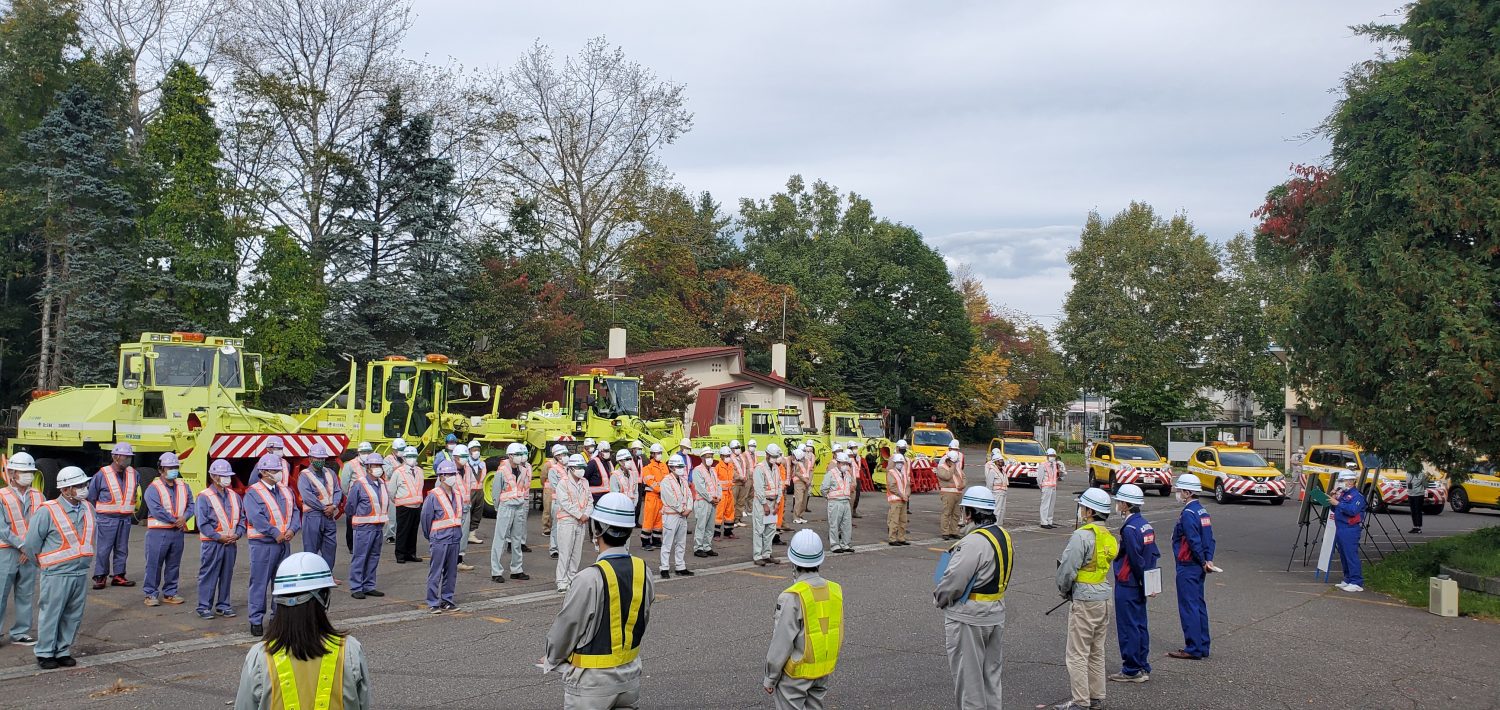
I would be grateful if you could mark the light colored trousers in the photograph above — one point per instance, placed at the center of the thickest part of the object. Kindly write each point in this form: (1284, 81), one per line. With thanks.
(799, 494)
(1049, 494)
(742, 498)
(463, 540)
(628, 700)
(1088, 627)
(62, 597)
(19, 580)
(976, 657)
(800, 693)
(1000, 507)
(703, 528)
(895, 521)
(674, 541)
(510, 529)
(567, 535)
(761, 534)
(840, 525)
(949, 520)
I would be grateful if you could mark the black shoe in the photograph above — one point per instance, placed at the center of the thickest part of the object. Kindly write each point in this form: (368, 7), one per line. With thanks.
(684, 573)
(498, 578)
(666, 575)
(903, 542)
(856, 515)
(400, 560)
(526, 548)
(1414, 531)
(374, 593)
(699, 553)
(46, 664)
(553, 555)
(66, 661)
(357, 595)
(718, 535)
(448, 606)
(711, 553)
(892, 543)
(257, 630)
(521, 576)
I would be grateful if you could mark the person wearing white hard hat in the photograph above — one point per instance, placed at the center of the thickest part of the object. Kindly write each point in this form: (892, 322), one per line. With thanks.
(1049, 472)
(464, 486)
(322, 500)
(999, 483)
(271, 521)
(803, 462)
(18, 500)
(369, 511)
(553, 472)
(652, 477)
(706, 497)
(393, 461)
(742, 493)
(897, 493)
(1138, 555)
(808, 630)
(600, 668)
(511, 491)
(113, 492)
(1348, 514)
(626, 479)
(857, 466)
(970, 591)
(406, 494)
(950, 475)
(479, 470)
(220, 517)
(167, 501)
(767, 492)
(676, 506)
(838, 486)
(304, 661)
(598, 470)
(638, 459)
(1083, 577)
(724, 513)
(59, 536)
(442, 524)
(573, 506)
(1193, 549)
(351, 469)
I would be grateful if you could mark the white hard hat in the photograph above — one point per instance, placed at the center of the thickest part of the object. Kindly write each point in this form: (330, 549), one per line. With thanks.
(953, 444)
(622, 455)
(615, 510)
(806, 549)
(995, 455)
(1188, 482)
(685, 443)
(514, 449)
(706, 451)
(978, 497)
(752, 444)
(409, 451)
(656, 448)
(853, 445)
(365, 447)
(71, 476)
(772, 450)
(575, 461)
(22, 461)
(605, 453)
(1347, 475)
(299, 574)
(735, 444)
(589, 441)
(901, 444)
(1132, 494)
(559, 449)
(1051, 452)
(636, 445)
(398, 444)
(841, 457)
(677, 461)
(1096, 499)
(474, 444)
(724, 451)
(898, 458)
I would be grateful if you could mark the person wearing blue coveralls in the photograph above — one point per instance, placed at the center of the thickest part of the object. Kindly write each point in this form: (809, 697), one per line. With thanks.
(60, 538)
(442, 526)
(221, 524)
(113, 492)
(272, 521)
(369, 511)
(18, 500)
(1138, 554)
(322, 497)
(168, 503)
(1348, 514)
(1193, 546)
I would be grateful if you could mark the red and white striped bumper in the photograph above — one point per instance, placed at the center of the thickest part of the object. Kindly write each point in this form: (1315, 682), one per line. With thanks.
(1265, 487)
(1395, 493)
(240, 446)
(1020, 470)
(1143, 477)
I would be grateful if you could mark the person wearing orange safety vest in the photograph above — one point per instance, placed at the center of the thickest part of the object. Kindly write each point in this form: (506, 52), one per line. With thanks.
(393, 461)
(352, 469)
(897, 493)
(18, 500)
(443, 528)
(368, 508)
(676, 505)
(626, 479)
(808, 631)
(651, 477)
(803, 461)
(724, 514)
(707, 494)
(274, 447)
(950, 475)
(511, 490)
(167, 500)
(221, 523)
(60, 537)
(271, 521)
(407, 482)
(858, 466)
(598, 471)
(638, 462)
(1051, 471)
(768, 492)
(742, 493)
(998, 481)
(465, 486)
(751, 458)
(113, 492)
(553, 472)
(838, 487)
(322, 501)
(474, 511)
(573, 504)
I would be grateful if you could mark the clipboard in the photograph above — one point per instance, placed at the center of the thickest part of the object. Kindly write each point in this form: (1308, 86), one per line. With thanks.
(1152, 581)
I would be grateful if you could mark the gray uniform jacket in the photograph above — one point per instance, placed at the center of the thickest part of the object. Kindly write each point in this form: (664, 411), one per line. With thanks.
(255, 679)
(575, 626)
(835, 474)
(761, 476)
(44, 537)
(786, 635)
(1080, 548)
(972, 558)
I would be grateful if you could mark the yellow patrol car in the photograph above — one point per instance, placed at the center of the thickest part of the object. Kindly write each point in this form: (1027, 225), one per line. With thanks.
(1325, 461)
(930, 439)
(1020, 454)
(1128, 459)
(1481, 490)
(1233, 471)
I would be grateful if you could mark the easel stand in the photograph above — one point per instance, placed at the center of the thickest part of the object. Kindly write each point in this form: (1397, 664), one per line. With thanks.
(1307, 537)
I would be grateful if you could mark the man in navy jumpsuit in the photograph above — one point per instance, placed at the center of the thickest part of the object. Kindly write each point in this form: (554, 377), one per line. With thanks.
(1193, 546)
(1348, 513)
(1138, 553)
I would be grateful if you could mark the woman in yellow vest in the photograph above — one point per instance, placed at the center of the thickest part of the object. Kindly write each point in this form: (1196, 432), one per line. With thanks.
(1083, 577)
(808, 632)
(304, 662)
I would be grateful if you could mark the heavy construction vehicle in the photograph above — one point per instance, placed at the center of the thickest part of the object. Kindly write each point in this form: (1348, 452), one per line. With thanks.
(179, 392)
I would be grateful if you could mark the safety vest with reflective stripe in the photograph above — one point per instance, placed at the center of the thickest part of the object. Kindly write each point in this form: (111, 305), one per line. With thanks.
(513, 486)
(15, 512)
(177, 498)
(843, 482)
(410, 479)
(822, 629)
(605, 471)
(328, 694)
(897, 484)
(223, 524)
(957, 484)
(620, 614)
(121, 502)
(281, 513)
(451, 515)
(1106, 547)
(625, 480)
(380, 502)
(552, 472)
(75, 543)
(322, 484)
(993, 590)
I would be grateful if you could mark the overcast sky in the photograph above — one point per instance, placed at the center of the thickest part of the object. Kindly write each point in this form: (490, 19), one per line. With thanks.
(991, 127)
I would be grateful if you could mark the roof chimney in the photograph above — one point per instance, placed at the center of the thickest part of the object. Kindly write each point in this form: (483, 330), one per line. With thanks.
(778, 360)
(616, 343)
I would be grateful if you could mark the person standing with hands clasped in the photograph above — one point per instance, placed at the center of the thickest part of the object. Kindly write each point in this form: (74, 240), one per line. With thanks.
(511, 490)
(167, 500)
(971, 593)
(838, 486)
(1083, 578)
(1051, 471)
(272, 521)
(221, 524)
(707, 494)
(676, 505)
(1193, 547)
(443, 527)
(999, 483)
(60, 537)
(808, 631)
(1348, 513)
(950, 475)
(897, 493)
(1138, 555)
(766, 490)
(18, 501)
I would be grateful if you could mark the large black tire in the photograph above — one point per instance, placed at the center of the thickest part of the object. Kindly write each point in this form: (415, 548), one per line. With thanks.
(1112, 487)
(1376, 503)
(1278, 500)
(1220, 497)
(1432, 509)
(1458, 499)
(48, 468)
(144, 475)
(1164, 492)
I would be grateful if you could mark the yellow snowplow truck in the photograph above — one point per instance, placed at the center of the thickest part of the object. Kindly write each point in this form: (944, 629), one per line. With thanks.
(178, 392)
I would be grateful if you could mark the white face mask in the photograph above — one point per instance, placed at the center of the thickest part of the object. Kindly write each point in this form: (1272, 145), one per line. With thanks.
(224, 481)
(953, 456)
(377, 472)
(269, 480)
(411, 461)
(25, 478)
(75, 494)
(655, 457)
(450, 480)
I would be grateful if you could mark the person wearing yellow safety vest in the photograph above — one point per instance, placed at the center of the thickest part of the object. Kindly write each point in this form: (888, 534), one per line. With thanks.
(1083, 577)
(808, 632)
(304, 662)
(595, 640)
(60, 537)
(18, 500)
(970, 591)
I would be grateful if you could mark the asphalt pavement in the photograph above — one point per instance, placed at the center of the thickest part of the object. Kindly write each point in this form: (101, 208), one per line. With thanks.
(1280, 639)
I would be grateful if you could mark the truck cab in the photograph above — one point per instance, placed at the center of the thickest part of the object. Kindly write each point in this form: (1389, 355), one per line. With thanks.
(596, 405)
(930, 439)
(398, 397)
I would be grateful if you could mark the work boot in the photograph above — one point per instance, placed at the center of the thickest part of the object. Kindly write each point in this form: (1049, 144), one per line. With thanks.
(98, 584)
(699, 553)
(1096, 703)
(172, 599)
(120, 581)
(257, 630)
(521, 576)
(525, 548)
(684, 573)
(553, 555)
(665, 574)
(152, 601)
(46, 664)
(497, 578)
(357, 595)
(374, 593)
(66, 661)
(475, 539)
(711, 553)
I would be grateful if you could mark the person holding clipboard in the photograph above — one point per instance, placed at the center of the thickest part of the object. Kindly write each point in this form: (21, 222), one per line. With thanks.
(971, 579)
(1137, 577)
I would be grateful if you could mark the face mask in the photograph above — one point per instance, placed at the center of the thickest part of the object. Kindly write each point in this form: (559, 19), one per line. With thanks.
(74, 494)
(172, 474)
(270, 481)
(953, 456)
(450, 480)
(223, 480)
(411, 461)
(377, 472)
(575, 472)
(25, 479)
(518, 458)
(655, 457)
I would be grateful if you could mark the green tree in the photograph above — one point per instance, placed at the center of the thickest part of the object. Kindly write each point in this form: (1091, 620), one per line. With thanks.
(1043, 387)
(186, 232)
(1395, 332)
(1253, 297)
(284, 308)
(669, 289)
(1139, 316)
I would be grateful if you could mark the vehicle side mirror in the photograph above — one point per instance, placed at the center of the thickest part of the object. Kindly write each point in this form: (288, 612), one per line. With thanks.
(136, 365)
(1211, 464)
(484, 390)
(403, 386)
(467, 390)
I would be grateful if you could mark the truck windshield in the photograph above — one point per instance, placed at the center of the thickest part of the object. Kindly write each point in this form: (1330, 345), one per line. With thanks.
(183, 365)
(1243, 459)
(843, 426)
(230, 375)
(791, 425)
(1136, 452)
(1023, 448)
(619, 397)
(872, 428)
(1370, 461)
(931, 437)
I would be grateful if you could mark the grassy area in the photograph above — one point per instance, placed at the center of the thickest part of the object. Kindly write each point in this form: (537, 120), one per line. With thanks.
(1404, 575)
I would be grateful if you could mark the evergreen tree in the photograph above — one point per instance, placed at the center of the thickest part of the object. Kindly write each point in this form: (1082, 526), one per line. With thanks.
(284, 305)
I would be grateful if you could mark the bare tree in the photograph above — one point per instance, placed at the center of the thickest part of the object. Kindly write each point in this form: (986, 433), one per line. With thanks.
(584, 140)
